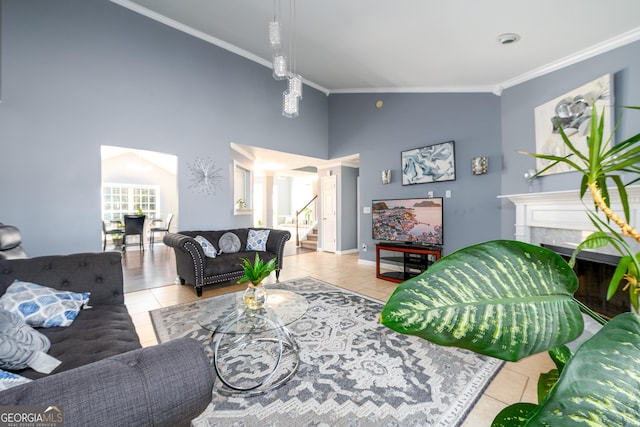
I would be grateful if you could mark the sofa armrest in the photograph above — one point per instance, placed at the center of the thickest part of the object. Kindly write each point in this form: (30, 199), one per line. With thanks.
(164, 385)
(98, 273)
(275, 244)
(190, 258)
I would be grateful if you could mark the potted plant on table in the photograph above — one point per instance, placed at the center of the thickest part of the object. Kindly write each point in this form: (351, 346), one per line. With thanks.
(255, 272)
(510, 299)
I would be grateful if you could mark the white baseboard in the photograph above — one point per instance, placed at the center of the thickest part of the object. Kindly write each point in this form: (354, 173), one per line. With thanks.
(366, 262)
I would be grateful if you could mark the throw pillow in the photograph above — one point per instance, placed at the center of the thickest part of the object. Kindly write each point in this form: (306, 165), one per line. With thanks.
(229, 243)
(208, 248)
(21, 346)
(257, 240)
(41, 306)
(8, 380)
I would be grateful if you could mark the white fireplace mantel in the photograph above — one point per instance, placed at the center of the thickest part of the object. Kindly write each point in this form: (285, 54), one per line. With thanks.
(564, 210)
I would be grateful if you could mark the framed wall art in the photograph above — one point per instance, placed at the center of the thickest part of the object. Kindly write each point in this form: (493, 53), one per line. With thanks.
(433, 163)
(572, 111)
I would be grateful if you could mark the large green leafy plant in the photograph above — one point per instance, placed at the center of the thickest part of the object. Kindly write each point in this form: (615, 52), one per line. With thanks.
(509, 300)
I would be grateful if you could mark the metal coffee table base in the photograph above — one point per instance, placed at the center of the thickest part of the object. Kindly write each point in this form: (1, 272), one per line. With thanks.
(255, 361)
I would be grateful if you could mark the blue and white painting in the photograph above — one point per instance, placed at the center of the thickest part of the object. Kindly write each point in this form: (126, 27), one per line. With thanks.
(572, 111)
(433, 163)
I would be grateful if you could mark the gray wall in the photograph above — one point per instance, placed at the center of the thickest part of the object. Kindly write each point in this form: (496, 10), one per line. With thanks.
(347, 209)
(284, 202)
(77, 74)
(409, 121)
(518, 134)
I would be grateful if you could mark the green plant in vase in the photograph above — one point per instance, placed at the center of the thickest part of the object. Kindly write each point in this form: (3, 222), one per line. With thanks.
(510, 299)
(255, 272)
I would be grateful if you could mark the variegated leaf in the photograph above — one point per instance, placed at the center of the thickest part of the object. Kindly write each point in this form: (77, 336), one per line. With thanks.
(501, 298)
(515, 415)
(600, 386)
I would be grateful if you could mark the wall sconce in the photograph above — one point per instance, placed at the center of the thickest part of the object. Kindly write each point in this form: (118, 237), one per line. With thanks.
(530, 174)
(386, 176)
(479, 165)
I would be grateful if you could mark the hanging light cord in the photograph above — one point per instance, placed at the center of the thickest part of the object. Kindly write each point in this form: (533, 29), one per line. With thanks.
(294, 65)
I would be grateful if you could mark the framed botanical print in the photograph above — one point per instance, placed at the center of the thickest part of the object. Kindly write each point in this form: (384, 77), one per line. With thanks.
(433, 163)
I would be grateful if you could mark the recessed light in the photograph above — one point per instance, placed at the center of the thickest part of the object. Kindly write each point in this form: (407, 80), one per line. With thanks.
(508, 38)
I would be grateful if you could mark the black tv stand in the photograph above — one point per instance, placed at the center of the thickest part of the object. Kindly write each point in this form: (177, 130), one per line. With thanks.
(401, 262)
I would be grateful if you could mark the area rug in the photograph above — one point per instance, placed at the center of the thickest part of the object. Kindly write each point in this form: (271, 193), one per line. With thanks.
(353, 371)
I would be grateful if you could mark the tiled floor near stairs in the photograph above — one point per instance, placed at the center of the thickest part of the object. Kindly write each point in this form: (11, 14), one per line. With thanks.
(516, 381)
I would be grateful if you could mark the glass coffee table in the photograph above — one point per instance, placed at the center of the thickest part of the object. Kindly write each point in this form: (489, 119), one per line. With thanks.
(253, 350)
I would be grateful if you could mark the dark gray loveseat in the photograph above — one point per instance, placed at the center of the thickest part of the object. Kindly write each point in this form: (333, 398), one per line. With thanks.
(194, 268)
(105, 377)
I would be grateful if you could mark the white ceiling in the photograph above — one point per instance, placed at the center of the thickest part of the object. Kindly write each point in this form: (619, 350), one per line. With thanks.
(411, 45)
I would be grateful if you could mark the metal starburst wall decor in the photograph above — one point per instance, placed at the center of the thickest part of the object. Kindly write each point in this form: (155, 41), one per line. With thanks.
(205, 177)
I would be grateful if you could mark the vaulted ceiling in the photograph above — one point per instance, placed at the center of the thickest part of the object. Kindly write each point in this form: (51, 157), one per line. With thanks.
(351, 46)
(411, 45)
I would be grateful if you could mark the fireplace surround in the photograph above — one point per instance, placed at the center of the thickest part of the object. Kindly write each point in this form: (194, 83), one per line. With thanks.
(558, 220)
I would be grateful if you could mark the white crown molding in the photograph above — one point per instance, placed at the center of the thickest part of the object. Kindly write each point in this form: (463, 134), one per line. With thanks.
(613, 43)
(600, 48)
(206, 37)
(431, 89)
(191, 31)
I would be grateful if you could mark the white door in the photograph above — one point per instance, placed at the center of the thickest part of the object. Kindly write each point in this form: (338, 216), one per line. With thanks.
(329, 198)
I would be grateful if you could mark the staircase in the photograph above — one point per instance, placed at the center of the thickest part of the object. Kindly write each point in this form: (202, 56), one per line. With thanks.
(311, 242)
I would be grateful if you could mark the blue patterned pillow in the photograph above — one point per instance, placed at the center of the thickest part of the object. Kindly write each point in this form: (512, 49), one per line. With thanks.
(208, 248)
(257, 240)
(41, 306)
(8, 380)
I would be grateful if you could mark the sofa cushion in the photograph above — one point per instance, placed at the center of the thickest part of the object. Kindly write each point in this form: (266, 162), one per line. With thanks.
(9, 237)
(257, 240)
(97, 333)
(41, 306)
(9, 379)
(209, 250)
(22, 346)
(229, 243)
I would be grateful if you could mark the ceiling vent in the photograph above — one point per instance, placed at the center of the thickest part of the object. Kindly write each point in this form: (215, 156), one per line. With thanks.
(508, 38)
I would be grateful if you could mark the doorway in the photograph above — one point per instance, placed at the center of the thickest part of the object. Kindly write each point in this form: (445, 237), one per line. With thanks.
(138, 182)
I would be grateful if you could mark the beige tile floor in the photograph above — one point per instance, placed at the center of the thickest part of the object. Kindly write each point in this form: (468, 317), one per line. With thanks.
(516, 382)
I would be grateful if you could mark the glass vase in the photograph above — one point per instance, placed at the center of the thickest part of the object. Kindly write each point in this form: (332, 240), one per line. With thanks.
(255, 296)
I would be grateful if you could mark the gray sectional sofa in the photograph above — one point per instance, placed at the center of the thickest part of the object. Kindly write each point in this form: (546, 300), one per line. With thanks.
(195, 268)
(105, 377)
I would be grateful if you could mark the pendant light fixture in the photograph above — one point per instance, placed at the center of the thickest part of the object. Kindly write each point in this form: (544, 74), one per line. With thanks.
(275, 40)
(290, 104)
(294, 84)
(291, 96)
(281, 70)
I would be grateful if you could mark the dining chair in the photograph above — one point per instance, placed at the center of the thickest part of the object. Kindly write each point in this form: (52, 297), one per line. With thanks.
(109, 232)
(133, 225)
(163, 229)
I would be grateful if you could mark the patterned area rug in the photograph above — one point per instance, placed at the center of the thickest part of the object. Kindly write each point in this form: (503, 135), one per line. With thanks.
(353, 371)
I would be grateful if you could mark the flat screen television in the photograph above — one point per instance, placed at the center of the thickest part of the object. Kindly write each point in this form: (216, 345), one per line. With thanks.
(408, 221)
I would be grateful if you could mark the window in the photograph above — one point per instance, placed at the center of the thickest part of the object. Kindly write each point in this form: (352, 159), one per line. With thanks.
(121, 199)
(242, 196)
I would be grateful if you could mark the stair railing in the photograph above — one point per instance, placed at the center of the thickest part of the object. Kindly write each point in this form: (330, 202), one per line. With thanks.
(298, 214)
